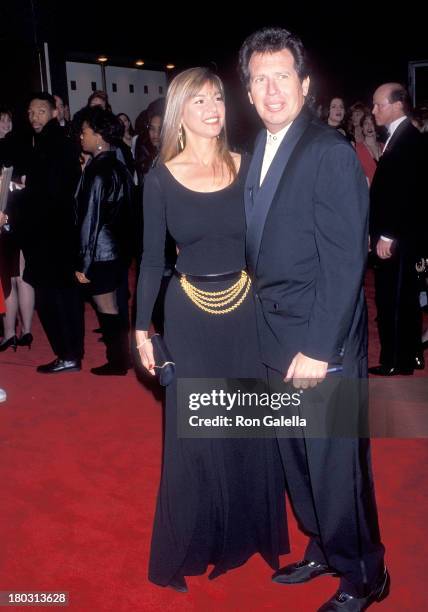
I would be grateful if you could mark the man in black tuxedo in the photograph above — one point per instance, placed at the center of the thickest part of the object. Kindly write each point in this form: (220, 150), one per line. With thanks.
(397, 223)
(306, 203)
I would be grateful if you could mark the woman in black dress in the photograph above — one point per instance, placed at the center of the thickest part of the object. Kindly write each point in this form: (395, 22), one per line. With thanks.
(19, 294)
(103, 218)
(220, 500)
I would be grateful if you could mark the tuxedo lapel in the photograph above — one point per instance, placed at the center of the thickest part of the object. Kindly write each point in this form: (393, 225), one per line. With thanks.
(262, 197)
(399, 132)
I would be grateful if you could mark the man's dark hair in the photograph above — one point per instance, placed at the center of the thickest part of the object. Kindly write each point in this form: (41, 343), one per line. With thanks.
(103, 122)
(400, 94)
(43, 95)
(271, 40)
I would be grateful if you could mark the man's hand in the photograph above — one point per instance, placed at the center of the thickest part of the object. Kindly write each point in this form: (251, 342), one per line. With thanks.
(3, 218)
(383, 248)
(81, 278)
(306, 372)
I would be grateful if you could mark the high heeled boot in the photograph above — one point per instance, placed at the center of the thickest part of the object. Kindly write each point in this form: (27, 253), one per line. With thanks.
(117, 346)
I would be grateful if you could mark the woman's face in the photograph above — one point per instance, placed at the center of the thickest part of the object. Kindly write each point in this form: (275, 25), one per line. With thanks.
(356, 117)
(337, 110)
(154, 128)
(89, 139)
(204, 113)
(125, 121)
(368, 127)
(5, 124)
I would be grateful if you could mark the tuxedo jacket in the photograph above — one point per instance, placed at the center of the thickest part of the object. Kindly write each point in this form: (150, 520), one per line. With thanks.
(307, 242)
(398, 200)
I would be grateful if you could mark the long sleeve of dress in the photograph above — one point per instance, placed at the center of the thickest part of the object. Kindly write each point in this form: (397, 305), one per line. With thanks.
(153, 260)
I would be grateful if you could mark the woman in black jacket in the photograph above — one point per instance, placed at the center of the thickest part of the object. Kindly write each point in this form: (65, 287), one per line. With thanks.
(103, 218)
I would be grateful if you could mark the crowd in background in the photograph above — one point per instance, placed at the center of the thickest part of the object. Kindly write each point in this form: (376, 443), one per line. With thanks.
(52, 170)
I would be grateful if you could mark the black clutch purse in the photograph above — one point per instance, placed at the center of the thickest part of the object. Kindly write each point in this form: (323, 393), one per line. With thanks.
(164, 365)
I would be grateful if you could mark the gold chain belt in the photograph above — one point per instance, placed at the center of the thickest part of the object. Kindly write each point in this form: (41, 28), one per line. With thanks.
(218, 302)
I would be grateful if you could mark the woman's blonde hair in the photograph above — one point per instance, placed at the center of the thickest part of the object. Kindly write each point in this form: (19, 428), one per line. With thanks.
(183, 87)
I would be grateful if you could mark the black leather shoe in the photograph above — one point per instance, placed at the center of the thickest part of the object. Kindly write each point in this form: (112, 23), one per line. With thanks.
(60, 365)
(419, 362)
(382, 370)
(342, 602)
(302, 571)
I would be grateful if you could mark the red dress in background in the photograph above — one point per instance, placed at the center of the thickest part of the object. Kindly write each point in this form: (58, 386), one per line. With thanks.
(367, 161)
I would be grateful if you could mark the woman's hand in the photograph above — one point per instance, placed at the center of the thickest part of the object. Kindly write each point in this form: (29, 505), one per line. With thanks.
(145, 349)
(81, 278)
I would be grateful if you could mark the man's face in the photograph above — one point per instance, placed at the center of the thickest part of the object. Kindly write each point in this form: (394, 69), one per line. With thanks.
(39, 113)
(384, 111)
(275, 88)
(59, 108)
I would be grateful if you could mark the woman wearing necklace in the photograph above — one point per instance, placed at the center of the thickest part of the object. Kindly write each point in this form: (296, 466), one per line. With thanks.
(370, 149)
(220, 500)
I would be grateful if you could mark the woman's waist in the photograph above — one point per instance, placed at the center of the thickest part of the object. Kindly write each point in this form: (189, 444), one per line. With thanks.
(217, 277)
(206, 268)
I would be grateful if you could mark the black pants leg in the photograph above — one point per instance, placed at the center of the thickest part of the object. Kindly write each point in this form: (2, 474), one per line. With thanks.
(330, 484)
(398, 311)
(61, 314)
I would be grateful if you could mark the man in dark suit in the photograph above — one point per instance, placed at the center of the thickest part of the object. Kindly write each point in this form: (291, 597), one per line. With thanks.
(306, 204)
(396, 226)
(49, 235)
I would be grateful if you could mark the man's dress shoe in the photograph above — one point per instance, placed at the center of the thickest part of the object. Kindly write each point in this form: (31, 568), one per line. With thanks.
(302, 571)
(60, 365)
(382, 370)
(342, 602)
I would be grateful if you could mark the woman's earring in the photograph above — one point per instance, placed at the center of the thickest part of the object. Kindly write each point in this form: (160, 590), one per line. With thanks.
(99, 147)
(180, 138)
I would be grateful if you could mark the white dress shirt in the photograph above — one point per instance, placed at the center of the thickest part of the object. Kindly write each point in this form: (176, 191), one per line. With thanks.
(273, 142)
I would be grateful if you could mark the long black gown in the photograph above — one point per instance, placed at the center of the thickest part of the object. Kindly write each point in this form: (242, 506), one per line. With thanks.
(220, 500)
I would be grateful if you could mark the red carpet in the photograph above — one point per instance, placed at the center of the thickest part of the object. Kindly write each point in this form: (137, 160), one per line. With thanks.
(79, 469)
